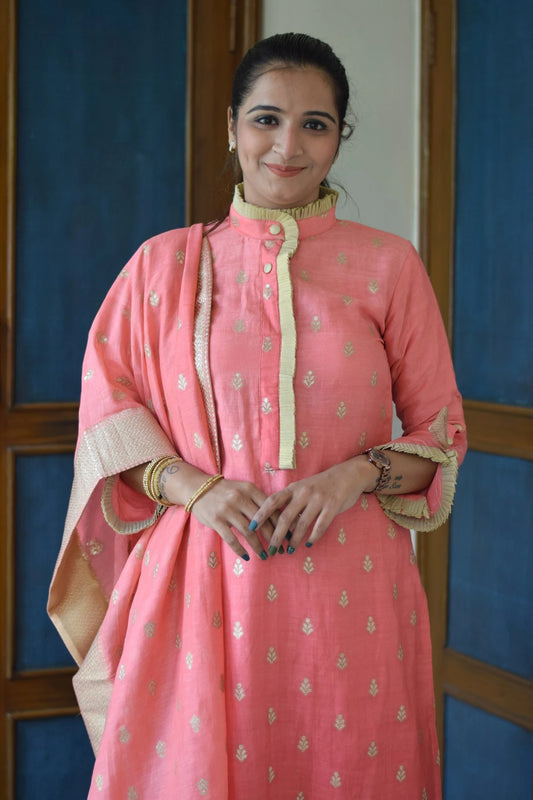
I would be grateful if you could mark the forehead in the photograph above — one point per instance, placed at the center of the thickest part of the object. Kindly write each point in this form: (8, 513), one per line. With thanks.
(302, 88)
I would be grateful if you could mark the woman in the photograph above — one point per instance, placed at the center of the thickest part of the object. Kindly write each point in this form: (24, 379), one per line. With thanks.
(240, 379)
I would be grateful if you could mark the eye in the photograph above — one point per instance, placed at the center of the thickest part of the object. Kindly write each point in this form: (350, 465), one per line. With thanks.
(266, 119)
(316, 125)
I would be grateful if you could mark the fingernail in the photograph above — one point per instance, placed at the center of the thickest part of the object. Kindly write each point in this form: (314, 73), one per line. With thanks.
(272, 550)
(288, 536)
(309, 544)
(252, 526)
(263, 556)
(281, 549)
(290, 549)
(245, 556)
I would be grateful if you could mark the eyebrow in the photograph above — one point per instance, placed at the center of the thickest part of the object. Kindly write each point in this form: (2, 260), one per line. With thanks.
(306, 113)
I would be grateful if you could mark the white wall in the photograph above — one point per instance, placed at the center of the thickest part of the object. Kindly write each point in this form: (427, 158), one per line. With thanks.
(378, 43)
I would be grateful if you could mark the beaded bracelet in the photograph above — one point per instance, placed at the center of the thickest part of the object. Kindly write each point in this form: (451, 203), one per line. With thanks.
(202, 490)
(152, 475)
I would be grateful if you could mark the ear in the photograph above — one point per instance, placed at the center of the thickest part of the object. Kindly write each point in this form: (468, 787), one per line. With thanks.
(231, 126)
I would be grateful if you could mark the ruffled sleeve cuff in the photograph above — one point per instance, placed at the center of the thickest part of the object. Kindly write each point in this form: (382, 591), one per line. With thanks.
(427, 510)
(124, 508)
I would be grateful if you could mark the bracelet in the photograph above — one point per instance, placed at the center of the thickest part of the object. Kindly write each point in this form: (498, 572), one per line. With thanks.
(152, 475)
(202, 490)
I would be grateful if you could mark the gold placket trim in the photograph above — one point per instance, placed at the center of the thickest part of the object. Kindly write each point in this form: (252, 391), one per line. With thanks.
(287, 366)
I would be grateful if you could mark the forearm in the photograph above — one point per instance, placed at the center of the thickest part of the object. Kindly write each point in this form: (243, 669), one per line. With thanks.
(177, 483)
(408, 474)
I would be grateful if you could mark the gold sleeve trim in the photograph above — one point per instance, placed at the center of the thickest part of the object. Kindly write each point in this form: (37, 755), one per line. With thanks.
(93, 688)
(114, 521)
(414, 513)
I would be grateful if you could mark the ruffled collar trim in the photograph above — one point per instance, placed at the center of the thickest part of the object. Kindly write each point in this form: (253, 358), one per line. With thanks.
(326, 201)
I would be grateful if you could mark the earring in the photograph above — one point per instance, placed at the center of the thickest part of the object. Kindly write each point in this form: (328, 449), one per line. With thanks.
(232, 147)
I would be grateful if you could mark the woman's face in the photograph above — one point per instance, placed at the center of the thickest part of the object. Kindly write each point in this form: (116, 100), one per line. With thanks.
(287, 135)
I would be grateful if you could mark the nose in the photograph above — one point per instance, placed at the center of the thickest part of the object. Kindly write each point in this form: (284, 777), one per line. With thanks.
(288, 142)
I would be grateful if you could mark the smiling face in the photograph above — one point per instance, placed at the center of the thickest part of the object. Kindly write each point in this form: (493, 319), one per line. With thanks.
(287, 135)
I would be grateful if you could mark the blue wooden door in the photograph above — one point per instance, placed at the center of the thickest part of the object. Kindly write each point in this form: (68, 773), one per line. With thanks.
(98, 165)
(479, 585)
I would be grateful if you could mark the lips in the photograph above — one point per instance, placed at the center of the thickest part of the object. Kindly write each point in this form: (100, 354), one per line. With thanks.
(284, 172)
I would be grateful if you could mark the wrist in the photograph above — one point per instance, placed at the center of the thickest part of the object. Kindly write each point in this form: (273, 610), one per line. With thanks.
(368, 474)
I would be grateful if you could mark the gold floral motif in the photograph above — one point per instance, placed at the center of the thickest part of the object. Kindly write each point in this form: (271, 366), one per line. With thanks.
(374, 378)
(269, 244)
(342, 661)
(373, 287)
(217, 620)
(152, 688)
(101, 337)
(272, 593)
(424, 794)
(391, 531)
(401, 774)
(241, 753)
(146, 558)
(146, 249)
(400, 652)
(132, 794)
(341, 258)
(300, 796)
(412, 558)
(178, 642)
(309, 379)
(189, 658)
(374, 689)
(340, 722)
(271, 774)
(303, 744)
(149, 629)
(372, 750)
(336, 780)
(180, 256)
(235, 222)
(198, 441)
(153, 298)
(395, 591)
(237, 381)
(272, 656)
(364, 502)
(118, 395)
(238, 568)
(341, 538)
(271, 716)
(124, 380)
(88, 375)
(269, 468)
(267, 292)
(349, 349)
(161, 749)
(377, 241)
(121, 672)
(267, 344)
(182, 382)
(341, 410)
(367, 564)
(237, 443)
(188, 600)
(195, 723)
(213, 561)
(371, 626)
(304, 275)
(438, 757)
(401, 716)
(124, 273)
(307, 626)
(362, 439)
(126, 312)
(347, 300)
(316, 324)
(308, 566)
(266, 406)
(147, 350)
(242, 277)
(124, 734)
(179, 324)
(239, 326)
(303, 441)
(413, 618)
(99, 781)
(237, 630)
(343, 602)
(114, 596)
(305, 686)
(155, 571)
(203, 786)
(239, 692)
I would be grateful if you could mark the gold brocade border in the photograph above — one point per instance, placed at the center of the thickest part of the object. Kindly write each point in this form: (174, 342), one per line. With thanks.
(93, 687)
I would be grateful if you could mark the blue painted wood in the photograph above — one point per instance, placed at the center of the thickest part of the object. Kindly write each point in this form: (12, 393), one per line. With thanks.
(100, 167)
(493, 326)
(42, 487)
(487, 758)
(54, 759)
(490, 601)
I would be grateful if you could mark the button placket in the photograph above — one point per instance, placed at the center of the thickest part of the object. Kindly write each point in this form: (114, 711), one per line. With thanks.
(270, 342)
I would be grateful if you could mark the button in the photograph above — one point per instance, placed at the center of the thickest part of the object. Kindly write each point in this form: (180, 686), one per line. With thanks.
(275, 228)
(267, 268)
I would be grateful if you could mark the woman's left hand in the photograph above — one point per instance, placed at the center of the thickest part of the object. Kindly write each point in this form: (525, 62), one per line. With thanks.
(314, 502)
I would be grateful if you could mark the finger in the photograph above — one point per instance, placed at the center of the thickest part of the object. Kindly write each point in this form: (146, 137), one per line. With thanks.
(241, 525)
(270, 509)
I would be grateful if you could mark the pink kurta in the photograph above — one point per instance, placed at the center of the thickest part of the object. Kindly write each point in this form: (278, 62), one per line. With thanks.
(307, 676)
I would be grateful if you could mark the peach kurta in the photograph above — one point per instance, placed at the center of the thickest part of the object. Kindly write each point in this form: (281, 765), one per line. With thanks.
(269, 350)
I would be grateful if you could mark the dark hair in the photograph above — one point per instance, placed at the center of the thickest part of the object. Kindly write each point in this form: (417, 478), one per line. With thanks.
(296, 50)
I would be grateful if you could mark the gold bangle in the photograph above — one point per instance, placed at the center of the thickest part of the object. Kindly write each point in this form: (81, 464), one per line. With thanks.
(152, 475)
(202, 490)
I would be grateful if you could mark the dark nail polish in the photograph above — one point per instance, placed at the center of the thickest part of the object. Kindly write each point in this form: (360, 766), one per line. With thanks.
(245, 556)
(288, 536)
(309, 544)
(263, 556)
(281, 549)
(272, 550)
(290, 549)
(252, 526)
